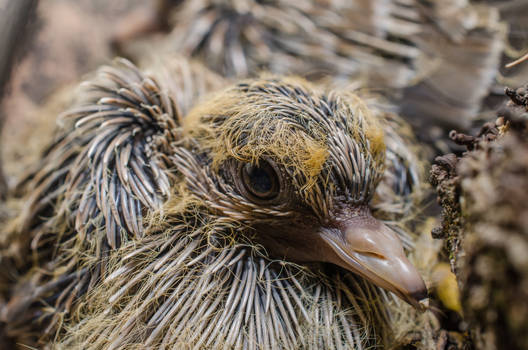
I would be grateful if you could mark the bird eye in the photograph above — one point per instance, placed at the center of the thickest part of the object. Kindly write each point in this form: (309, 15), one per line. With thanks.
(261, 181)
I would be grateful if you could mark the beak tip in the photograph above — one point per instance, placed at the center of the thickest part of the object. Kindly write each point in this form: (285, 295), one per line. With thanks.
(420, 299)
(419, 295)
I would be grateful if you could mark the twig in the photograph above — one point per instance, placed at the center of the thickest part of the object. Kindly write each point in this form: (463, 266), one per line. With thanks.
(517, 61)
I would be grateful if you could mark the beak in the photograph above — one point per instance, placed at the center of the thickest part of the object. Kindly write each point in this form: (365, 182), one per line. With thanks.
(366, 246)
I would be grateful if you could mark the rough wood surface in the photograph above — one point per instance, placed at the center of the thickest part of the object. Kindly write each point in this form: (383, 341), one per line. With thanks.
(485, 228)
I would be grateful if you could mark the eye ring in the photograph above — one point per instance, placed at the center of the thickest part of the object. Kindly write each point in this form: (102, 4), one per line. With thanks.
(261, 181)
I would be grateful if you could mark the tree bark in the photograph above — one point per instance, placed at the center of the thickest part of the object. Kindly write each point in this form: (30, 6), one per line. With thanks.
(484, 210)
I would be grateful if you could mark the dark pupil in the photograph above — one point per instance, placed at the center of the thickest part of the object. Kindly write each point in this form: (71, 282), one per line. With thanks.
(260, 179)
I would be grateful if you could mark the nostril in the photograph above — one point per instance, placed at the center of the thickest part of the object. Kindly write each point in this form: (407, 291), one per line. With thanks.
(373, 255)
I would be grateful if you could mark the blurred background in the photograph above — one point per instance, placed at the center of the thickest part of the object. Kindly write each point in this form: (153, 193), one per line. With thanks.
(64, 40)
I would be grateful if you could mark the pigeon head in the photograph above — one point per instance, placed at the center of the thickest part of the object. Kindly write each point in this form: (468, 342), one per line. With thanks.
(298, 168)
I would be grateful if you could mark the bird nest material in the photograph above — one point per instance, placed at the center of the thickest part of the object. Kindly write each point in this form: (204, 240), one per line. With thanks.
(484, 225)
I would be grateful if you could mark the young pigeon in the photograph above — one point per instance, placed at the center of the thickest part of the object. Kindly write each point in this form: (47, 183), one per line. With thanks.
(270, 214)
